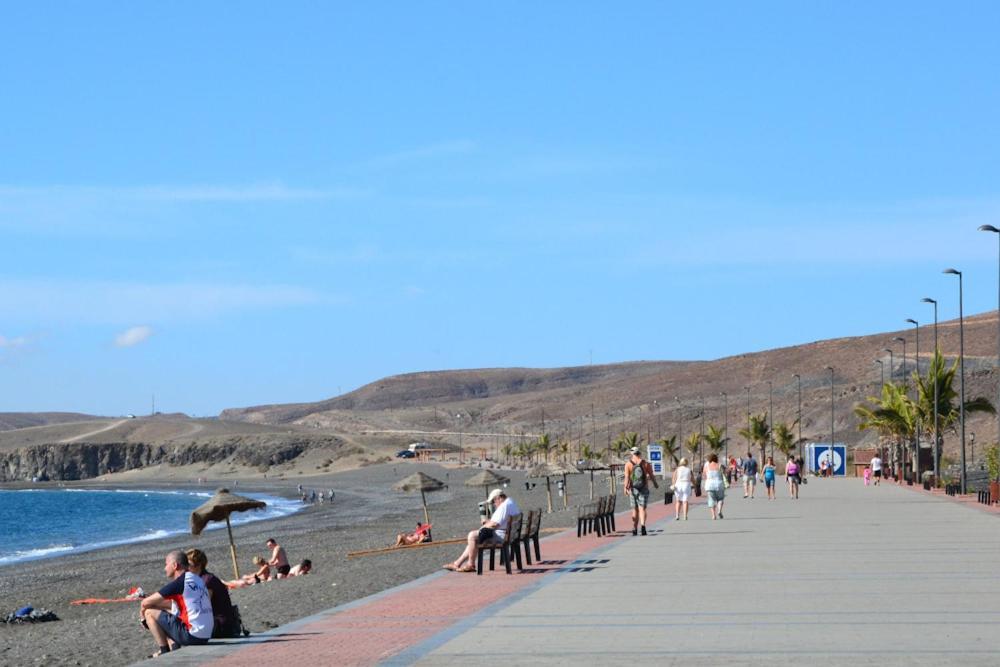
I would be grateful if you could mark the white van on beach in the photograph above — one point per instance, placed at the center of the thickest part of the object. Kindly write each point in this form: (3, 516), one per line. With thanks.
(419, 446)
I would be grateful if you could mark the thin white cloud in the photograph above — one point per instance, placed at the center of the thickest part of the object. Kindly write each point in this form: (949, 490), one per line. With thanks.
(10, 343)
(133, 336)
(457, 147)
(126, 303)
(260, 192)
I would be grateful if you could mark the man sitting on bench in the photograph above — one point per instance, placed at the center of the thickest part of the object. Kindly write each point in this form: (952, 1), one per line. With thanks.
(492, 531)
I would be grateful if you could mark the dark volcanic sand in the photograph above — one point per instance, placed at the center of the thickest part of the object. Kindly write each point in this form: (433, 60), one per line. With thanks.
(367, 514)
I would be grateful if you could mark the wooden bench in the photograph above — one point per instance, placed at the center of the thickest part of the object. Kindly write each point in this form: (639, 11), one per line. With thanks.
(534, 527)
(513, 528)
(590, 518)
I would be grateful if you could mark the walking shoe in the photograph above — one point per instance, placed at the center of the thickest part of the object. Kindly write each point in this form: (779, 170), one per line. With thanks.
(720, 515)
(635, 532)
(643, 530)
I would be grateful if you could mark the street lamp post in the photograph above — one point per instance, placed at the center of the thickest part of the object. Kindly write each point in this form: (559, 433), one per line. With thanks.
(830, 462)
(799, 419)
(961, 365)
(916, 358)
(702, 431)
(680, 409)
(991, 228)
(900, 339)
(749, 444)
(770, 416)
(892, 365)
(725, 421)
(881, 366)
(937, 431)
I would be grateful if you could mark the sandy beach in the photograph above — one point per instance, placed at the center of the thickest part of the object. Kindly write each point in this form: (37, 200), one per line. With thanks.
(366, 514)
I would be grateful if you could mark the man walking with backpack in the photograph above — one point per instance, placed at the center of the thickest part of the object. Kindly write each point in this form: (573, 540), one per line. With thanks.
(638, 475)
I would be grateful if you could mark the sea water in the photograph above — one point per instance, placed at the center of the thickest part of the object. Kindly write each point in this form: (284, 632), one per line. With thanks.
(37, 523)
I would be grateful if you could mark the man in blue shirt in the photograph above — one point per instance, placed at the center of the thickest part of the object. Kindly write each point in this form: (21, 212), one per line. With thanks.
(749, 475)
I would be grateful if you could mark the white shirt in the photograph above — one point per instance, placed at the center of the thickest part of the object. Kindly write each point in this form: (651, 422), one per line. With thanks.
(876, 464)
(683, 475)
(507, 509)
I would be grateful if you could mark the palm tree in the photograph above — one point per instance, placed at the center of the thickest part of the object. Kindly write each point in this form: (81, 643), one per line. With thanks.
(758, 433)
(784, 439)
(715, 439)
(693, 444)
(625, 442)
(544, 445)
(947, 406)
(563, 449)
(589, 453)
(507, 450)
(670, 448)
(893, 415)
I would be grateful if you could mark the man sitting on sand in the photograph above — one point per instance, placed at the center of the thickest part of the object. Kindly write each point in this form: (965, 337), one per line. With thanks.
(493, 531)
(226, 624)
(192, 621)
(279, 560)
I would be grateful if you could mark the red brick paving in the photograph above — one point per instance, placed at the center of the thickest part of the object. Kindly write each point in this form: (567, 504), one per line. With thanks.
(371, 632)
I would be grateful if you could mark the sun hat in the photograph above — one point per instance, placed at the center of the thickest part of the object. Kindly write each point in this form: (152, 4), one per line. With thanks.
(635, 450)
(493, 494)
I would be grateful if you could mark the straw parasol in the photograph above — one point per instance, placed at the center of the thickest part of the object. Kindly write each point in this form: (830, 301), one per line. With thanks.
(486, 479)
(218, 508)
(590, 465)
(418, 481)
(549, 470)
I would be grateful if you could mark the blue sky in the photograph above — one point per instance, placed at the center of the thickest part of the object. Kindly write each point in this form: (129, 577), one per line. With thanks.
(273, 203)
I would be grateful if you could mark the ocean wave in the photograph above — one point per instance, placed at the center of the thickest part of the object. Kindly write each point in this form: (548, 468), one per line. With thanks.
(276, 508)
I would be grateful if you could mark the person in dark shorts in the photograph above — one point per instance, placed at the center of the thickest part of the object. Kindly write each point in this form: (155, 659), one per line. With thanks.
(876, 464)
(193, 622)
(279, 560)
(227, 623)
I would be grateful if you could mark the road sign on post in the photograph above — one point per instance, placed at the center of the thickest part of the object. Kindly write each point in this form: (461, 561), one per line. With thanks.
(654, 454)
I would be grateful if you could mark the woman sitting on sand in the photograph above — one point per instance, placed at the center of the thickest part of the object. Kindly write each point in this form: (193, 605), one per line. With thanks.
(263, 573)
(422, 533)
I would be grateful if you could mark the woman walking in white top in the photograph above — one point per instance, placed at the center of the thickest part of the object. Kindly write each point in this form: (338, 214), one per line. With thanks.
(681, 484)
(715, 485)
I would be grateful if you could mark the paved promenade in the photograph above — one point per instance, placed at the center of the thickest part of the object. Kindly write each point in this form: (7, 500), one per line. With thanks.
(846, 575)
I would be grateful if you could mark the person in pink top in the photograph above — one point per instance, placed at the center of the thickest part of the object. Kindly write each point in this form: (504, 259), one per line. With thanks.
(868, 475)
(793, 475)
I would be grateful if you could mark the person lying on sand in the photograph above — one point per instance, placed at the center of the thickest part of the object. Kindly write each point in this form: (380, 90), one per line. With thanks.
(187, 591)
(263, 573)
(302, 569)
(421, 534)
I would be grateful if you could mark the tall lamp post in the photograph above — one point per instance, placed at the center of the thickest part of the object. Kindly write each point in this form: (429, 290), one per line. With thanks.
(725, 421)
(937, 431)
(916, 359)
(680, 409)
(749, 444)
(702, 430)
(991, 228)
(832, 470)
(900, 339)
(961, 370)
(770, 416)
(892, 365)
(881, 366)
(799, 419)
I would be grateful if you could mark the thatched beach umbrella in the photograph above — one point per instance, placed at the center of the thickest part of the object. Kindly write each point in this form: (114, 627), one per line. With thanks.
(590, 465)
(486, 479)
(218, 508)
(418, 481)
(549, 470)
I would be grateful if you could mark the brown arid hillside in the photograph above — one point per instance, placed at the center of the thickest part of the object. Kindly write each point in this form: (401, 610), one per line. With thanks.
(490, 407)
(15, 420)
